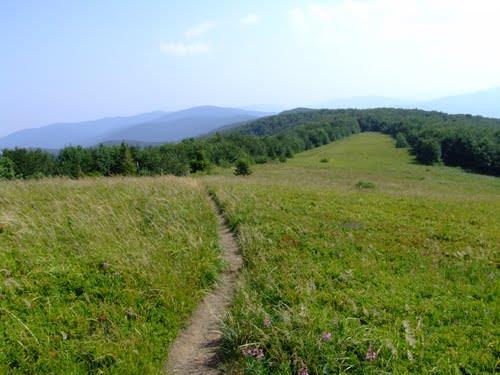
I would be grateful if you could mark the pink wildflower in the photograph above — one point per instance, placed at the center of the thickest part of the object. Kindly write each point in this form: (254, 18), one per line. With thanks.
(371, 355)
(256, 353)
(326, 336)
(267, 322)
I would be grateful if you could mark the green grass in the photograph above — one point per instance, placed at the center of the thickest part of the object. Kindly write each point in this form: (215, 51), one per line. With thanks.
(97, 276)
(372, 157)
(387, 256)
(407, 269)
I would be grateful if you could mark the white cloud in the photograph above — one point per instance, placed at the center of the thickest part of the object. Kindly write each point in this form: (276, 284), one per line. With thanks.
(198, 30)
(182, 49)
(250, 19)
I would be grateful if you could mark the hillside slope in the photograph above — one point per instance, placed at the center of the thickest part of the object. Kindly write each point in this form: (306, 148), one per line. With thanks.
(360, 261)
(86, 133)
(147, 128)
(183, 124)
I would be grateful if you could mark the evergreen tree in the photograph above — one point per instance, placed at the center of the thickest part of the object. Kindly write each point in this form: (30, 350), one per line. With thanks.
(6, 168)
(199, 161)
(126, 165)
(242, 168)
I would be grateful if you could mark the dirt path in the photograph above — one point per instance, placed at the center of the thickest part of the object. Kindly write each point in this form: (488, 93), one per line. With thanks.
(195, 350)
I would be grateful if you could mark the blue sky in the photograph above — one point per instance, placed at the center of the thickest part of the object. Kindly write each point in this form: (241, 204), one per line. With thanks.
(79, 60)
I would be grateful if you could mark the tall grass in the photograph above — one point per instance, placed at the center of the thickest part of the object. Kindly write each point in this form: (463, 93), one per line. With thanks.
(98, 275)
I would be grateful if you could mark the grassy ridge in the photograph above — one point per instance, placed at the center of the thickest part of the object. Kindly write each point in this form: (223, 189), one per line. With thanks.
(400, 278)
(98, 275)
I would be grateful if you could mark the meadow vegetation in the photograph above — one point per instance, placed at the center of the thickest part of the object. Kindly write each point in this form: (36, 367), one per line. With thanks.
(98, 275)
(400, 278)
(358, 259)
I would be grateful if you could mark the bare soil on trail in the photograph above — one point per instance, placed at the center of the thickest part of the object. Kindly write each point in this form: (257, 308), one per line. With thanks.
(195, 350)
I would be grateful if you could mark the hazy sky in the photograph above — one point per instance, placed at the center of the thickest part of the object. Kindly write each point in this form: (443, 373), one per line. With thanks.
(77, 60)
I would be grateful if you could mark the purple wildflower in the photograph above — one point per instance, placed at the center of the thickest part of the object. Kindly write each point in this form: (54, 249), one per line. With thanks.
(256, 353)
(326, 336)
(267, 322)
(371, 355)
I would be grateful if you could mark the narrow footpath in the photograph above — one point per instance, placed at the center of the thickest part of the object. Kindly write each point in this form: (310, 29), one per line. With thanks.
(195, 350)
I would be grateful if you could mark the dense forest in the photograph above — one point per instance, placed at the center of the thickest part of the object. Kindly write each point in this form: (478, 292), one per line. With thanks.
(470, 142)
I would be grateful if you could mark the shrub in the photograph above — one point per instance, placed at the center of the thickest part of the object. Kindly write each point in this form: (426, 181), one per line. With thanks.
(242, 168)
(199, 162)
(324, 160)
(282, 159)
(261, 159)
(365, 185)
(428, 151)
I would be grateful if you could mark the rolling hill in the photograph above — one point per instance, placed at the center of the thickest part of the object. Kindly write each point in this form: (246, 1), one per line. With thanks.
(184, 124)
(153, 127)
(484, 103)
(85, 133)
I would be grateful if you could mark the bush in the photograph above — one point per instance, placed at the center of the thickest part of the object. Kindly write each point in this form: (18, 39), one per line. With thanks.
(324, 160)
(365, 185)
(199, 162)
(282, 159)
(242, 168)
(261, 159)
(428, 151)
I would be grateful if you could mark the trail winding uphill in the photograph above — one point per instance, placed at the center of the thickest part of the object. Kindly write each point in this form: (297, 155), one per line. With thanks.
(195, 350)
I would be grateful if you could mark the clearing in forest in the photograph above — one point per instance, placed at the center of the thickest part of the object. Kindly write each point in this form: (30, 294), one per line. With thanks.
(359, 260)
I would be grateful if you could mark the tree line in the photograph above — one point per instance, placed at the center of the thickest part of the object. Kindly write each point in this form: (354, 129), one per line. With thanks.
(188, 156)
(470, 142)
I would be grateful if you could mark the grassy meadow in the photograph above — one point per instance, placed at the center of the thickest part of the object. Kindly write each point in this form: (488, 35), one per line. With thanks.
(98, 275)
(358, 260)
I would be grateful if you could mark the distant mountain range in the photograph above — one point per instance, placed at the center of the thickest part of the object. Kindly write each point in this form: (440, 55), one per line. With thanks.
(153, 127)
(86, 133)
(483, 103)
(162, 127)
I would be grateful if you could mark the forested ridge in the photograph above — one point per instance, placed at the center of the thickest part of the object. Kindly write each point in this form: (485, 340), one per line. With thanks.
(470, 142)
